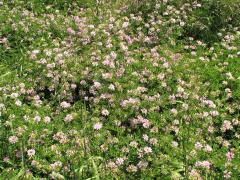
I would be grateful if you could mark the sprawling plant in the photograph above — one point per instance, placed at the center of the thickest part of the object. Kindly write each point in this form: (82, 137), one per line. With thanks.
(119, 90)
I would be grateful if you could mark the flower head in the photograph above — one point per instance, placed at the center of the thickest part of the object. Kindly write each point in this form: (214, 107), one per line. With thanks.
(97, 126)
(31, 152)
(13, 139)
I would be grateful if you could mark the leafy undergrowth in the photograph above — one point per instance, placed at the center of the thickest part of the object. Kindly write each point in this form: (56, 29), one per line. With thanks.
(106, 91)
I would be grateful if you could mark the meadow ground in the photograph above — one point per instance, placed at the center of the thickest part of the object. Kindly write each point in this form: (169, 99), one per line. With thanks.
(120, 89)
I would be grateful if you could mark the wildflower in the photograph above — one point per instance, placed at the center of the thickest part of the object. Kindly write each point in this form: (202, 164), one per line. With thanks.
(133, 144)
(146, 123)
(225, 143)
(31, 152)
(227, 174)
(105, 112)
(97, 126)
(176, 122)
(210, 129)
(14, 95)
(230, 155)
(125, 24)
(198, 145)
(56, 165)
(229, 76)
(70, 30)
(18, 103)
(153, 141)
(34, 163)
(61, 137)
(131, 168)
(174, 111)
(147, 150)
(13, 139)
(47, 119)
(195, 174)
(208, 148)
(227, 125)
(113, 55)
(145, 137)
(37, 119)
(182, 23)
(119, 161)
(73, 86)
(112, 165)
(97, 85)
(50, 66)
(36, 51)
(142, 165)
(180, 89)
(111, 87)
(107, 75)
(64, 104)
(68, 118)
(174, 144)
(214, 113)
(204, 164)
(6, 159)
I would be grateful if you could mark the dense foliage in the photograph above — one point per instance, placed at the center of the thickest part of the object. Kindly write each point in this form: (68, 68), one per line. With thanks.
(120, 89)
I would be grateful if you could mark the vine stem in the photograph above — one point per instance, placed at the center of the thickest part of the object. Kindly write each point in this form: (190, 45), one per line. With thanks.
(22, 154)
(184, 141)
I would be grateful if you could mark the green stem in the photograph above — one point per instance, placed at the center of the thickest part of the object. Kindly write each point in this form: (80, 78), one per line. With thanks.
(22, 154)
(185, 150)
